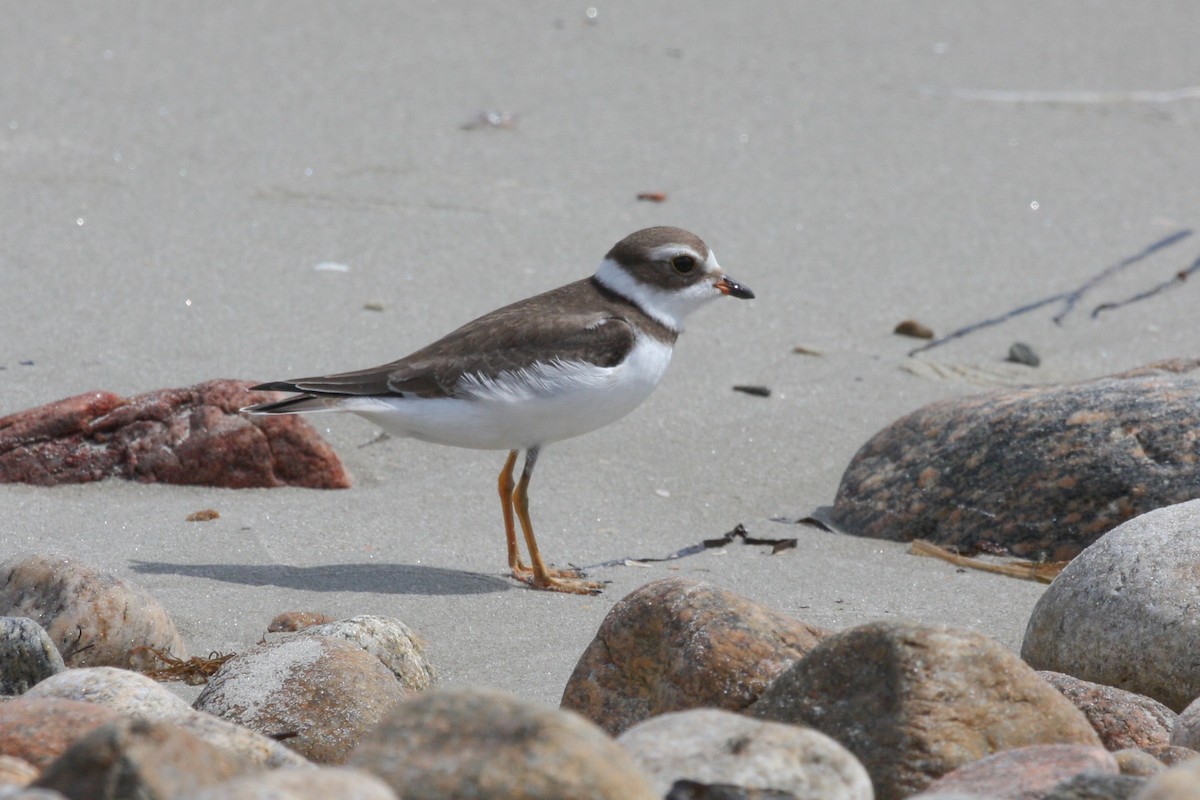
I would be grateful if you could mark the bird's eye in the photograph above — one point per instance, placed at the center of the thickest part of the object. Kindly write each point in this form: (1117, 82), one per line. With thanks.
(683, 264)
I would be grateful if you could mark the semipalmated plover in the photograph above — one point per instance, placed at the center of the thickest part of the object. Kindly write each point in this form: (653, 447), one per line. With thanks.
(556, 365)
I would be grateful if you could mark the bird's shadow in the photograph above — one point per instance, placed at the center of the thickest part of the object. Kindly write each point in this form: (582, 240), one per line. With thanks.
(373, 578)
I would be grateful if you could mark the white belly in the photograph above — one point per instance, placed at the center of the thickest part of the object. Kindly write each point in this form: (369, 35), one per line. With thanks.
(521, 409)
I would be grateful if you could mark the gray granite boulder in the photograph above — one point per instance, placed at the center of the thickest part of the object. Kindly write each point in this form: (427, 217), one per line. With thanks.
(1124, 612)
(389, 640)
(710, 746)
(1040, 471)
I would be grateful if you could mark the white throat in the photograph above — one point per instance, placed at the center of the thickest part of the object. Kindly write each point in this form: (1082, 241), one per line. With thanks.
(668, 307)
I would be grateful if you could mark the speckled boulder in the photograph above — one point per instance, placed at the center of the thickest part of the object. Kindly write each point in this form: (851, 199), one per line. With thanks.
(126, 692)
(482, 743)
(1038, 471)
(915, 702)
(389, 640)
(323, 783)
(137, 758)
(323, 694)
(193, 435)
(1122, 719)
(39, 730)
(1124, 612)
(679, 643)
(1025, 771)
(710, 746)
(94, 618)
(27, 655)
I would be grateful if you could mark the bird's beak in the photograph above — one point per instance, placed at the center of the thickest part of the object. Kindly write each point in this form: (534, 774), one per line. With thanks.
(734, 289)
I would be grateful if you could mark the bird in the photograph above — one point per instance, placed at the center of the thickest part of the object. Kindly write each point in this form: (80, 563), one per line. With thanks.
(553, 366)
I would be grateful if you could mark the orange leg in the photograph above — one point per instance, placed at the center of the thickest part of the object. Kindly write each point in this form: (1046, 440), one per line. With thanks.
(510, 530)
(539, 577)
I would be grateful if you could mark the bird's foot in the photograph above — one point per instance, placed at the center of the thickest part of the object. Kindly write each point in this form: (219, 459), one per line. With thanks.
(570, 581)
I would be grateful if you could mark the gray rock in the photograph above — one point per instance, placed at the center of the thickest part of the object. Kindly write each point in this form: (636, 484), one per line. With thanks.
(389, 640)
(710, 746)
(1124, 612)
(322, 694)
(247, 745)
(477, 743)
(915, 702)
(324, 783)
(126, 692)
(1186, 732)
(1040, 471)
(27, 655)
(137, 758)
(94, 618)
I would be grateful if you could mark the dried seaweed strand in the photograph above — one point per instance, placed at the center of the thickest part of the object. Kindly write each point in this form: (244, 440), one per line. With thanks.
(1043, 572)
(1069, 299)
(1176, 280)
(193, 671)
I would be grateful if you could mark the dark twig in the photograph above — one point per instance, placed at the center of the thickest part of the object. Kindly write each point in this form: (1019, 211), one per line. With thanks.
(1178, 278)
(1069, 299)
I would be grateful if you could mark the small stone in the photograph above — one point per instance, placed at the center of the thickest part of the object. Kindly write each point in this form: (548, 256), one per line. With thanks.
(137, 758)
(389, 640)
(39, 730)
(709, 746)
(485, 743)
(16, 772)
(1123, 613)
(679, 643)
(94, 618)
(915, 702)
(125, 692)
(290, 621)
(1122, 719)
(1039, 472)
(322, 783)
(1021, 353)
(322, 694)
(694, 790)
(205, 515)
(27, 655)
(1024, 771)
(917, 330)
(194, 435)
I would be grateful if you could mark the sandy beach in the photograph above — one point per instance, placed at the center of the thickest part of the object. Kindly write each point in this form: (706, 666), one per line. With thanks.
(175, 176)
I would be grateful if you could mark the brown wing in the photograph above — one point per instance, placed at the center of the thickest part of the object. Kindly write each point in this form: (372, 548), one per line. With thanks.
(542, 328)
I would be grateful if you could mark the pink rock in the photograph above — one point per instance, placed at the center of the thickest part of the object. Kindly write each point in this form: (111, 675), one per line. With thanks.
(193, 435)
(1025, 773)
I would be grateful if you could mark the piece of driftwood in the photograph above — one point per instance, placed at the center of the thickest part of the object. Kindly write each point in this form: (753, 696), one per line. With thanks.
(1042, 572)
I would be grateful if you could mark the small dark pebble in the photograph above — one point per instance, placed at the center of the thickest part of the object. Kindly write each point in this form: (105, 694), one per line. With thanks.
(805, 351)
(207, 515)
(653, 197)
(917, 330)
(1021, 353)
(757, 391)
